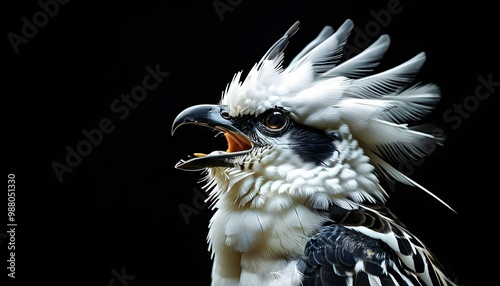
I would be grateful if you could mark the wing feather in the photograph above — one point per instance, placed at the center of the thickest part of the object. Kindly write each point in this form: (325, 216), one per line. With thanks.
(370, 247)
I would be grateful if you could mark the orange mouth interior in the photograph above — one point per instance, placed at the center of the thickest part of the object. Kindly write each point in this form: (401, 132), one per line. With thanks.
(236, 142)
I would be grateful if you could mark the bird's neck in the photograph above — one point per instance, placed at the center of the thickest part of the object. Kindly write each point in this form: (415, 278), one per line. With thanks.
(264, 218)
(347, 178)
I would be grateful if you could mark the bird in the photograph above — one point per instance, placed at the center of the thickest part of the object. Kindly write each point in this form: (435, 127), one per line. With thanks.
(298, 197)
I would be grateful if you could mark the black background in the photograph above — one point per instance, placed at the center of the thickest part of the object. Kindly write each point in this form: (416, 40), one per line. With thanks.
(118, 210)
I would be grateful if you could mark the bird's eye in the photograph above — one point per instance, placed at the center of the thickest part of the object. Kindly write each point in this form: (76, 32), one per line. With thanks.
(275, 120)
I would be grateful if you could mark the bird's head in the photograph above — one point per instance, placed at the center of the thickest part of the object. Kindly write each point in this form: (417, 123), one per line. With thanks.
(317, 130)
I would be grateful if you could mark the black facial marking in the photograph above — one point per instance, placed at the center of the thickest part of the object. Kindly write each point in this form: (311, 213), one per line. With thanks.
(312, 145)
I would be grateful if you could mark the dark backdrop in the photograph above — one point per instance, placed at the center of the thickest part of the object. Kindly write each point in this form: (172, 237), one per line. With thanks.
(114, 216)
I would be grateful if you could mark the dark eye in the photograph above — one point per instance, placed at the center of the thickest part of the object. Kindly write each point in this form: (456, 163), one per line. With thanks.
(275, 120)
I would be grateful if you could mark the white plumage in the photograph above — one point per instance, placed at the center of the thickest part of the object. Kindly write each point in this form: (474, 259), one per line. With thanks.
(375, 107)
(297, 192)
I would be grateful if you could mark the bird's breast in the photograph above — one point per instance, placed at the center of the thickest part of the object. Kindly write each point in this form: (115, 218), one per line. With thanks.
(265, 241)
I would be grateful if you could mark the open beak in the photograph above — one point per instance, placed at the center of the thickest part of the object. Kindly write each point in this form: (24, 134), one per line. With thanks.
(211, 116)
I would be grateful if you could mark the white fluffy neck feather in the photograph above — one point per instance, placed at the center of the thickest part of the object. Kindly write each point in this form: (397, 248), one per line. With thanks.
(278, 180)
(266, 216)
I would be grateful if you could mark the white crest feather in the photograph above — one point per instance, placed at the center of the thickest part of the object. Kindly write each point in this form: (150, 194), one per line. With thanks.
(321, 92)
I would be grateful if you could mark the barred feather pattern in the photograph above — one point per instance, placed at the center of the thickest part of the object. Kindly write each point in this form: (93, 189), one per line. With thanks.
(353, 251)
(334, 211)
